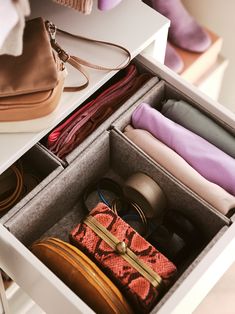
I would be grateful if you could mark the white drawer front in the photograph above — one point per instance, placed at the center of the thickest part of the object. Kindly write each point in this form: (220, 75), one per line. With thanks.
(202, 279)
(49, 292)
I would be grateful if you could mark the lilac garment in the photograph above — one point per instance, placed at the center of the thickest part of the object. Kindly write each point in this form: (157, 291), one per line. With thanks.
(105, 5)
(173, 60)
(184, 31)
(207, 159)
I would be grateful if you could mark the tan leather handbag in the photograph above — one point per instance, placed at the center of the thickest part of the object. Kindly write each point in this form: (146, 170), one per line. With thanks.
(31, 84)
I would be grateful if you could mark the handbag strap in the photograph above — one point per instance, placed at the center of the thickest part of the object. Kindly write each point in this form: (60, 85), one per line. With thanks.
(77, 62)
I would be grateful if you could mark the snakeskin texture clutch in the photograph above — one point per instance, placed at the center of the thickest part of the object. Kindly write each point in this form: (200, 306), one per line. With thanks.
(134, 265)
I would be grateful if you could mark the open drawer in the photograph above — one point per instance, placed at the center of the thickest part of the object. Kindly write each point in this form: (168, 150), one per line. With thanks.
(197, 279)
(59, 210)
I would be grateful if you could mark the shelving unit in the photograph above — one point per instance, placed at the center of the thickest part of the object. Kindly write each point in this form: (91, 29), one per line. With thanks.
(122, 25)
(146, 37)
(19, 302)
(210, 83)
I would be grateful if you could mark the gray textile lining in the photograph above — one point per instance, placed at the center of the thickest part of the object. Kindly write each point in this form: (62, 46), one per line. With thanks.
(45, 167)
(62, 162)
(54, 202)
(62, 228)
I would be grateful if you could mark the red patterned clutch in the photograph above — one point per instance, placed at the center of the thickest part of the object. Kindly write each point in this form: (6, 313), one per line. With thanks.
(133, 264)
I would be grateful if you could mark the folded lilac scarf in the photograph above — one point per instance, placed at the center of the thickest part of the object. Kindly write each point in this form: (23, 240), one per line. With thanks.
(207, 159)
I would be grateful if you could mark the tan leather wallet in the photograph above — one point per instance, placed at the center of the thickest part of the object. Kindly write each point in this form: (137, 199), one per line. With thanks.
(81, 275)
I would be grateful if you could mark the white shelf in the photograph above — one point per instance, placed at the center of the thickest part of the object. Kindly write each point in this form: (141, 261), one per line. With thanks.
(210, 83)
(20, 303)
(131, 24)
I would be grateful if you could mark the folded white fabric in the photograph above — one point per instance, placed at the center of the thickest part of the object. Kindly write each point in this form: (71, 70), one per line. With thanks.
(13, 22)
(8, 19)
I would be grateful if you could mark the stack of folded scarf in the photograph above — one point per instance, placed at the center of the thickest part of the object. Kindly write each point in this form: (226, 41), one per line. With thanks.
(86, 119)
(193, 159)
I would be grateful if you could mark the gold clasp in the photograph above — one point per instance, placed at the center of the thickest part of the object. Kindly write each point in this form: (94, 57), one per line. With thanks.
(121, 247)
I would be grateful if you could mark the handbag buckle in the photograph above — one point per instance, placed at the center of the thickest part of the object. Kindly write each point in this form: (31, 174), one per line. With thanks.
(51, 28)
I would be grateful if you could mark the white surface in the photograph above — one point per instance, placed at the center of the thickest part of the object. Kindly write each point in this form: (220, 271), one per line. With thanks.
(4, 307)
(212, 81)
(155, 50)
(20, 303)
(218, 15)
(193, 290)
(48, 291)
(124, 25)
(221, 299)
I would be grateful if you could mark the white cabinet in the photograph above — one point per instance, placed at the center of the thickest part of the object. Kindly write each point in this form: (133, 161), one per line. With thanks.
(36, 279)
(123, 25)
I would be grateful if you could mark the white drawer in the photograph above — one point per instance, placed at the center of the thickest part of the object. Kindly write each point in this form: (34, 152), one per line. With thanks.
(30, 274)
(221, 255)
(96, 25)
(54, 296)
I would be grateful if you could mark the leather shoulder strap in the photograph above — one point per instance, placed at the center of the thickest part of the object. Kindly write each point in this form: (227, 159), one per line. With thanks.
(77, 62)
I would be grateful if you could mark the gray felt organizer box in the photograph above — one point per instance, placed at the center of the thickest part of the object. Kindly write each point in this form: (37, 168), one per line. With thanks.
(57, 207)
(54, 211)
(154, 97)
